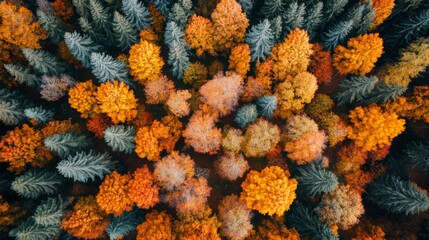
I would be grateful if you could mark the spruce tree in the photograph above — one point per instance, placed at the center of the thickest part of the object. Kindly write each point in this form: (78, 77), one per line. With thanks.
(247, 6)
(276, 26)
(136, 13)
(31, 231)
(44, 62)
(246, 114)
(368, 16)
(36, 182)
(418, 154)
(397, 196)
(122, 225)
(120, 138)
(273, 8)
(102, 21)
(106, 68)
(52, 25)
(332, 9)
(39, 114)
(293, 17)
(11, 107)
(313, 19)
(266, 106)
(260, 40)
(384, 92)
(314, 179)
(68, 143)
(22, 75)
(355, 14)
(163, 6)
(84, 166)
(178, 58)
(355, 89)
(125, 33)
(181, 12)
(81, 46)
(88, 28)
(173, 33)
(82, 8)
(50, 212)
(337, 34)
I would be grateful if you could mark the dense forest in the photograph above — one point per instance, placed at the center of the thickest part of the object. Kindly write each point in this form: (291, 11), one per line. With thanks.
(214, 119)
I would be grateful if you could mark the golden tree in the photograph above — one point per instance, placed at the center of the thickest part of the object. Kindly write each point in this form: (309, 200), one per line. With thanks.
(158, 226)
(239, 60)
(261, 136)
(113, 195)
(145, 61)
(149, 140)
(199, 35)
(142, 189)
(82, 97)
(383, 8)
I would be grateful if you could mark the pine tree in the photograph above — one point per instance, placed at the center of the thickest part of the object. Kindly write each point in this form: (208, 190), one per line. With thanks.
(418, 154)
(50, 212)
(293, 17)
(39, 114)
(332, 9)
(89, 29)
(86, 165)
(136, 13)
(397, 196)
(120, 138)
(181, 12)
(354, 13)
(355, 90)
(178, 59)
(11, 107)
(68, 143)
(368, 16)
(22, 75)
(163, 6)
(276, 26)
(308, 224)
(246, 115)
(102, 21)
(52, 25)
(82, 7)
(32, 231)
(336, 34)
(106, 68)
(247, 6)
(273, 8)
(385, 92)
(125, 33)
(314, 179)
(173, 33)
(266, 106)
(121, 226)
(261, 40)
(36, 182)
(402, 6)
(81, 47)
(313, 19)
(44, 62)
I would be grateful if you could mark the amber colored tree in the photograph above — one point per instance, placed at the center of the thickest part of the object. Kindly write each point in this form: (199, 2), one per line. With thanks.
(82, 97)
(158, 90)
(260, 137)
(199, 35)
(196, 75)
(87, 220)
(177, 103)
(415, 107)
(113, 197)
(235, 218)
(308, 148)
(158, 225)
(321, 64)
(144, 117)
(229, 23)
(200, 226)
(269, 191)
(367, 231)
(372, 129)
(145, 61)
(383, 8)
(10, 214)
(191, 197)
(97, 125)
(175, 131)
(158, 20)
(239, 60)
(293, 93)
(23, 147)
(62, 9)
(360, 55)
(148, 140)
(232, 140)
(172, 170)
(231, 166)
(117, 101)
(292, 56)
(18, 26)
(55, 127)
(142, 189)
(274, 229)
(202, 134)
(149, 35)
(260, 85)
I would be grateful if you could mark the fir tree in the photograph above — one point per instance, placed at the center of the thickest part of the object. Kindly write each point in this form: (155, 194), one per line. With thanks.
(102, 21)
(402, 6)
(39, 114)
(81, 47)
(355, 89)
(121, 226)
(314, 179)
(65, 144)
(293, 17)
(178, 59)
(125, 33)
(22, 75)
(44, 62)
(36, 182)
(163, 6)
(246, 115)
(260, 40)
(247, 6)
(82, 8)
(50, 212)
(136, 13)
(273, 8)
(31, 231)
(173, 33)
(368, 16)
(336, 34)
(276, 26)
(308, 224)
(266, 106)
(85, 166)
(181, 12)
(397, 196)
(106, 68)
(385, 92)
(418, 154)
(52, 25)
(313, 19)
(332, 9)
(11, 107)
(87, 28)
(354, 13)
(120, 138)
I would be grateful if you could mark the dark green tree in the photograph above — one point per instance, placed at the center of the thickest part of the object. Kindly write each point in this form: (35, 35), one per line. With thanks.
(39, 114)
(36, 182)
(418, 154)
(106, 68)
(68, 143)
(355, 89)
(266, 106)
(261, 40)
(125, 34)
(121, 226)
(44, 62)
(136, 13)
(246, 114)
(314, 179)
(81, 46)
(23, 75)
(52, 25)
(120, 138)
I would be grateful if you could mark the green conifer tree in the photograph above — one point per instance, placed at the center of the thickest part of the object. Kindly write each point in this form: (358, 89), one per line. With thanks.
(266, 106)
(22, 75)
(68, 143)
(50, 212)
(52, 25)
(81, 46)
(125, 33)
(106, 68)
(418, 154)
(314, 179)
(29, 230)
(39, 114)
(122, 225)
(355, 89)
(44, 62)
(120, 138)
(136, 13)
(36, 182)
(261, 40)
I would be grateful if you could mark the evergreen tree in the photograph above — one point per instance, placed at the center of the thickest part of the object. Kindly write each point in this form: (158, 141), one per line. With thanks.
(355, 14)
(50, 212)
(136, 13)
(81, 47)
(276, 26)
(356, 89)
(32, 231)
(308, 224)
(247, 6)
(120, 138)
(88, 28)
(181, 12)
(122, 225)
(266, 106)
(163, 6)
(402, 6)
(22, 75)
(293, 17)
(86, 165)
(332, 9)
(173, 33)
(44, 62)
(336, 34)
(397, 196)
(39, 114)
(260, 40)
(368, 16)
(313, 19)
(385, 92)
(102, 21)
(125, 33)
(246, 115)
(52, 25)
(36, 182)
(273, 8)
(314, 179)
(106, 68)
(178, 58)
(65, 144)
(11, 107)
(418, 154)
(82, 8)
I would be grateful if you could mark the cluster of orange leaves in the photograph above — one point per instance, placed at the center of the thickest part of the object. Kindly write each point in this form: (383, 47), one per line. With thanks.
(259, 85)
(158, 90)
(9, 214)
(62, 9)
(239, 60)
(199, 33)
(200, 226)
(98, 125)
(321, 64)
(151, 140)
(158, 225)
(415, 107)
(82, 98)
(145, 61)
(383, 8)
(274, 229)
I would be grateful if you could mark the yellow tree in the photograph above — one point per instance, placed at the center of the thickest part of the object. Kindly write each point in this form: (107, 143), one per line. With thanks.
(239, 60)
(199, 35)
(145, 61)
(383, 8)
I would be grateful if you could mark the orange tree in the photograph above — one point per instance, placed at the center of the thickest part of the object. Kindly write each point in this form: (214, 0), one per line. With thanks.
(145, 61)
(149, 140)
(239, 60)
(82, 98)
(142, 190)
(158, 225)
(113, 195)
(199, 35)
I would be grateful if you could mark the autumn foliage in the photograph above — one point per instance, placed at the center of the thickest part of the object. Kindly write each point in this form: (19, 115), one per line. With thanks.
(158, 225)
(321, 64)
(113, 195)
(10, 214)
(145, 61)
(150, 140)
(141, 188)
(199, 35)
(239, 60)
(82, 97)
